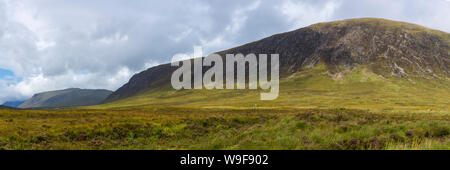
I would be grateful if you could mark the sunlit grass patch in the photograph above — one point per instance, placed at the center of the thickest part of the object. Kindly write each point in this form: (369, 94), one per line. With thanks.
(221, 128)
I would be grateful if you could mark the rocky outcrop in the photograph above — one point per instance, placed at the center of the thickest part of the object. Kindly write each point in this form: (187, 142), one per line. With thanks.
(397, 48)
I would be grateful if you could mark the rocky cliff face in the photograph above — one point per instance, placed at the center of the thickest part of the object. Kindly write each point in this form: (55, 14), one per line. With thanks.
(388, 48)
(66, 98)
(397, 48)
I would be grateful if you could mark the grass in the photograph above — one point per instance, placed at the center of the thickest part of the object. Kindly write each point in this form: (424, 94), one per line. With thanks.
(315, 110)
(226, 128)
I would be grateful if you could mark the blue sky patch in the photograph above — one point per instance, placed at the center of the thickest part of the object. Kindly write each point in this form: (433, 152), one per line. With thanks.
(5, 73)
(9, 75)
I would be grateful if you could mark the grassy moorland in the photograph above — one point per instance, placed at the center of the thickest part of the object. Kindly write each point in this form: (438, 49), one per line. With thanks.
(203, 128)
(354, 110)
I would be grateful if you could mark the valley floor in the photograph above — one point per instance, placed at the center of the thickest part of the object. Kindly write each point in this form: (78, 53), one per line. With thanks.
(222, 128)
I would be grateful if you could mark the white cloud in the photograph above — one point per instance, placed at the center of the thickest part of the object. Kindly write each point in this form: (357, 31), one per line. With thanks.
(56, 44)
(302, 13)
(239, 17)
(13, 90)
(115, 38)
(181, 36)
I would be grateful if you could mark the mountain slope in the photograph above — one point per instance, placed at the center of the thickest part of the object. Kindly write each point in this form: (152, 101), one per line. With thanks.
(13, 103)
(66, 98)
(402, 63)
(5, 107)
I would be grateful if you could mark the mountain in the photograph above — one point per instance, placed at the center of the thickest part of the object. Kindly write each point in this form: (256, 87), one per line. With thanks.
(13, 104)
(5, 107)
(66, 98)
(374, 61)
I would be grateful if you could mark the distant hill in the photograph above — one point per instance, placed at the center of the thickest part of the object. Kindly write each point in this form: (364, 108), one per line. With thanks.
(66, 98)
(13, 103)
(359, 63)
(5, 107)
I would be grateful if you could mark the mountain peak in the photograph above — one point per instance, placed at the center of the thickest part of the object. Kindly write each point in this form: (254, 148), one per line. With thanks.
(380, 22)
(347, 43)
(387, 48)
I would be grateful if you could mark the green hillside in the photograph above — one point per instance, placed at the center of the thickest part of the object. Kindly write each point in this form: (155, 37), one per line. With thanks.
(66, 98)
(314, 88)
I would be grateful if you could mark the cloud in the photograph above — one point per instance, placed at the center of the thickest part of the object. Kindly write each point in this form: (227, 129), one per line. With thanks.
(304, 13)
(53, 44)
(11, 89)
(429, 13)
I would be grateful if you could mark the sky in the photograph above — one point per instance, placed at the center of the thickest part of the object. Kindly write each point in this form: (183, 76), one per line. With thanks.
(99, 44)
